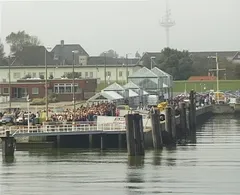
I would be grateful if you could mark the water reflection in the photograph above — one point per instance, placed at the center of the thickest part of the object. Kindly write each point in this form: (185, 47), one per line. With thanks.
(135, 175)
(157, 154)
(8, 160)
(171, 156)
(136, 161)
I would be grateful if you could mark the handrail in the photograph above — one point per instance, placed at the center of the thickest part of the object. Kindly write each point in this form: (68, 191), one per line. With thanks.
(65, 128)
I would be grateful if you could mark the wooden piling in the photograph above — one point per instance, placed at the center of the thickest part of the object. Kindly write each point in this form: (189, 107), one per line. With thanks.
(192, 110)
(168, 120)
(138, 135)
(173, 120)
(8, 145)
(183, 118)
(156, 130)
(130, 134)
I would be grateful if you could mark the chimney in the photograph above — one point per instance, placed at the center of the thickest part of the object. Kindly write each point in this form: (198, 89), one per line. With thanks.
(62, 43)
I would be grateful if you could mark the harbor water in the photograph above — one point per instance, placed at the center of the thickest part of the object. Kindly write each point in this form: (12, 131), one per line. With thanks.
(208, 165)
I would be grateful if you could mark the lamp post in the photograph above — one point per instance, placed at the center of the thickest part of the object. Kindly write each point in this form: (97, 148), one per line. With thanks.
(217, 73)
(105, 69)
(73, 84)
(127, 66)
(9, 82)
(46, 81)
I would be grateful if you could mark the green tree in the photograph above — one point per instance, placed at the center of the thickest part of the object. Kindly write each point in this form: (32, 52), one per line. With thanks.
(3, 60)
(176, 63)
(21, 39)
(110, 53)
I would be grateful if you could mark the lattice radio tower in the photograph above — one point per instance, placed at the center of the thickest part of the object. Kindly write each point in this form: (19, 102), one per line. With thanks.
(167, 23)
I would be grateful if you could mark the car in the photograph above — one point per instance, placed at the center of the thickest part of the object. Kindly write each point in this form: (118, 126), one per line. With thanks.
(7, 119)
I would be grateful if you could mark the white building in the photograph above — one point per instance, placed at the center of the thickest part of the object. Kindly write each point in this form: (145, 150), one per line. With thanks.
(113, 72)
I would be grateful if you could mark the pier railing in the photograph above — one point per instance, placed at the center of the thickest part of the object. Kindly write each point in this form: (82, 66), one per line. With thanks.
(14, 130)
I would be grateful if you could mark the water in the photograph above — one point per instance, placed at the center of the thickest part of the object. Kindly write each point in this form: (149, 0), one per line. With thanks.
(212, 166)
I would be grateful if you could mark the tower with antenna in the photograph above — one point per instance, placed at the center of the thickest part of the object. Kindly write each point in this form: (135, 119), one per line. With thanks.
(167, 23)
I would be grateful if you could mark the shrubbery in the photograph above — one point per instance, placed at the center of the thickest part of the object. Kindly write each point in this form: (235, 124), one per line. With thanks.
(52, 98)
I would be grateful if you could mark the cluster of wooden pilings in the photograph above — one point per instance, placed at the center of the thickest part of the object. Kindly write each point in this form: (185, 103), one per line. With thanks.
(163, 133)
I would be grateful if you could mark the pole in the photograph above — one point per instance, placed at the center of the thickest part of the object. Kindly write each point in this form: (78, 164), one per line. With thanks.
(9, 85)
(217, 77)
(28, 113)
(105, 75)
(46, 84)
(73, 88)
(127, 68)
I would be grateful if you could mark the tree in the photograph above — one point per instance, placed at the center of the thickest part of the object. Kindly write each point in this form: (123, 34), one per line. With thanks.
(110, 53)
(3, 60)
(21, 39)
(70, 75)
(176, 63)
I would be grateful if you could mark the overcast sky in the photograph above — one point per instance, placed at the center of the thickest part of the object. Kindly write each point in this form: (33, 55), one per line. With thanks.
(126, 26)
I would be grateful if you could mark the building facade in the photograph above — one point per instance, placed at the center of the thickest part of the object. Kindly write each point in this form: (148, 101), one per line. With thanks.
(35, 88)
(113, 72)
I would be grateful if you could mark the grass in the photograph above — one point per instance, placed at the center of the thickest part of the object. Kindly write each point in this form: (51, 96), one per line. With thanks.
(179, 86)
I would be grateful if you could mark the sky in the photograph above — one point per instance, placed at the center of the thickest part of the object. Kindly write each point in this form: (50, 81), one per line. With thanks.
(125, 26)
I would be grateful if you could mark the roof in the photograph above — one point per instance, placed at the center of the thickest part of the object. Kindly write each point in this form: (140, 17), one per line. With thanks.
(65, 52)
(201, 78)
(143, 73)
(160, 72)
(226, 54)
(101, 96)
(34, 56)
(114, 87)
(154, 55)
(131, 85)
(98, 60)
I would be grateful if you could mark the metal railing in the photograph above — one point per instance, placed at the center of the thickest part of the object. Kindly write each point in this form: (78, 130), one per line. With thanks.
(62, 128)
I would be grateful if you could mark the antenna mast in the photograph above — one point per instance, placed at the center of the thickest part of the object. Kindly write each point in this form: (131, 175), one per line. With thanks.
(167, 23)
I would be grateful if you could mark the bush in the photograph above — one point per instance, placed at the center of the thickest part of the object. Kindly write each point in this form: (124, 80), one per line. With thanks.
(38, 101)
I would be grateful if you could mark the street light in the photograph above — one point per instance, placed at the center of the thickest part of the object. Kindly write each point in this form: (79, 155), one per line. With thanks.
(152, 57)
(217, 71)
(73, 83)
(105, 69)
(46, 81)
(9, 82)
(127, 66)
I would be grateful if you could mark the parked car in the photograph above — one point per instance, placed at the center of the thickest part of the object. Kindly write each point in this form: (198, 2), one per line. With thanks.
(7, 119)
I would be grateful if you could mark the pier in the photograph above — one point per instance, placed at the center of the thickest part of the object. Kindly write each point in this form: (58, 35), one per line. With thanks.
(113, 135)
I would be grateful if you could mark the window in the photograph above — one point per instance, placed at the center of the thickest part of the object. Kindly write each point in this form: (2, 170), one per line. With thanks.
(86, 74)
(120, 73)
(16, 75)
(35, 91)
(68, 88)
(91, 74)
(108, 73)
(41, 74)
(34, 75)
(128, 73)
(64, 88)
(5, 91)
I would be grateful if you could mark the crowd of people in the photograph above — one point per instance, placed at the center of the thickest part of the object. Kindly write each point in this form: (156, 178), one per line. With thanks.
(85, 113)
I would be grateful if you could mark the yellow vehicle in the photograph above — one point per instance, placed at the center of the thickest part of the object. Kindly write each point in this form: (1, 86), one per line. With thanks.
(219, 97)
(162, 106)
